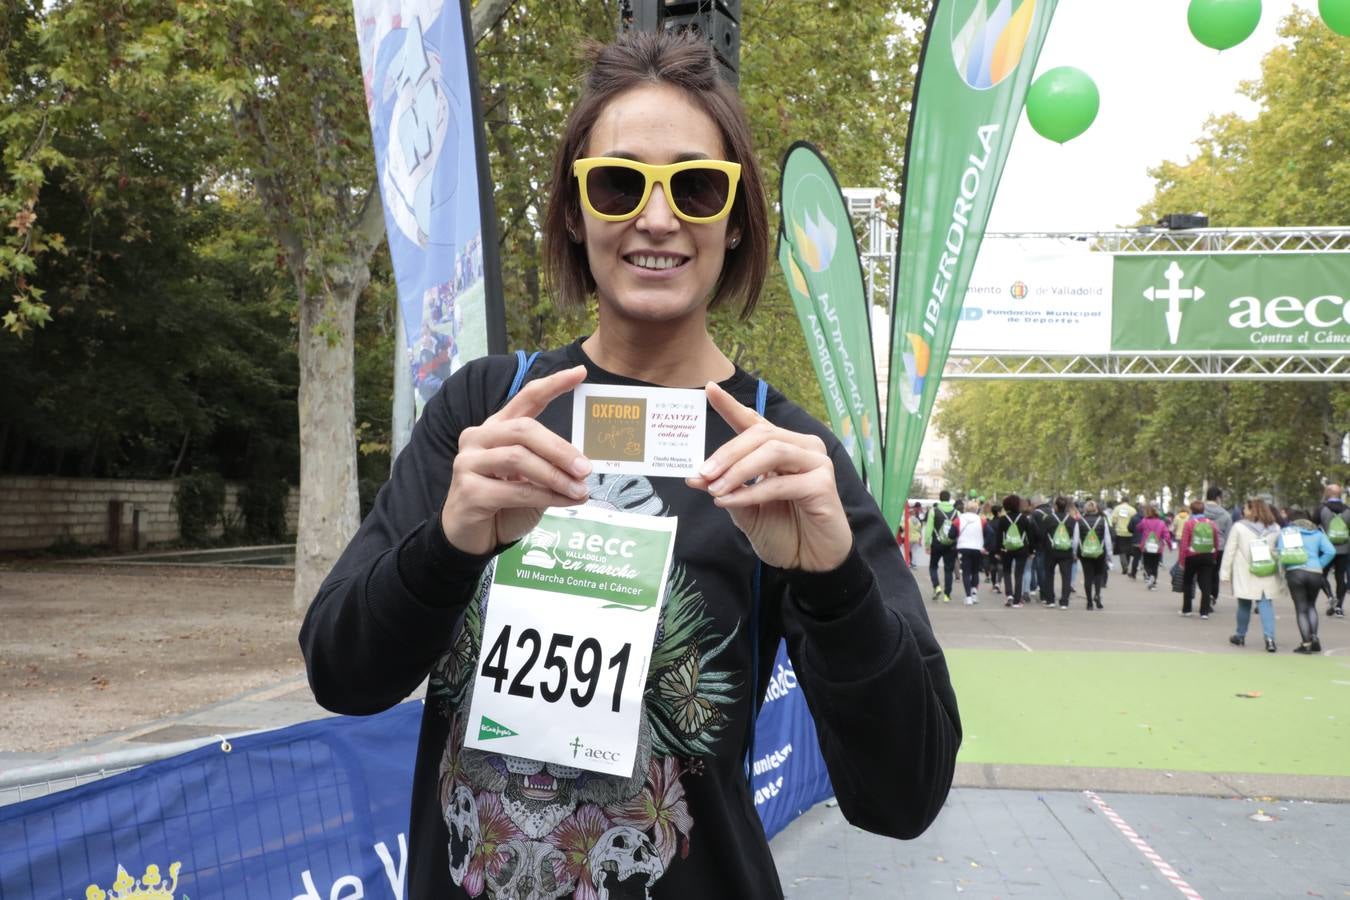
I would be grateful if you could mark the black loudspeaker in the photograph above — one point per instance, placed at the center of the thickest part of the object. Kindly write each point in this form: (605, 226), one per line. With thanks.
(720, 30)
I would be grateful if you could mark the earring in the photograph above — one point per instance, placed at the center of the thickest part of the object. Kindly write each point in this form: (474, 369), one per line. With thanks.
(732, 244)
(573, 235)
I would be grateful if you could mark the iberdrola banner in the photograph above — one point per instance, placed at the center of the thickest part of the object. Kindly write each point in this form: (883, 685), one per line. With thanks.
(421, 92)
(818, 345)
(815, 222)
(978, 60)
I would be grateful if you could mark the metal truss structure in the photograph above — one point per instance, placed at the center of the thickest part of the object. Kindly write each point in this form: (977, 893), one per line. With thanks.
(1150, 367)
(876, 244)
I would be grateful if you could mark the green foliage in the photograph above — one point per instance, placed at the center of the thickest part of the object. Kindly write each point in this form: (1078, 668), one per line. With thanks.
(1287, 166)
(795, 84)
(262, 503)
(200, 502)
(1138, 438)
(1290, 165)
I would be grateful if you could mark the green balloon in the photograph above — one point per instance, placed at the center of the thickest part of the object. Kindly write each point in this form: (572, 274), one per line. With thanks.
(1336, 13)
(1221, 24)
(1062, 103)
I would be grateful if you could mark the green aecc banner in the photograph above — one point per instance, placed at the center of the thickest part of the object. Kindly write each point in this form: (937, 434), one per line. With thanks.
(978, 61)
(819, 234)
(1285, 302)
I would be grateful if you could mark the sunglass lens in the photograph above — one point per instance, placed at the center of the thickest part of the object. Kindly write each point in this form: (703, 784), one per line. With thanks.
(615, 190)
(700, 192)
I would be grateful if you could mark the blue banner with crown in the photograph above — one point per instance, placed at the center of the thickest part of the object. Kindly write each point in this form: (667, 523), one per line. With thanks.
(310, 812)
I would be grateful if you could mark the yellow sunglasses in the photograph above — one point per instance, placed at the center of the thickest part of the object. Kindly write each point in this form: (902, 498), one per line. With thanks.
(616, 190)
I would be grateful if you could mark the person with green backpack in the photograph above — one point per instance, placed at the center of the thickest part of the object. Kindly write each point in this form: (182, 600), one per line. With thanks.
(939, 537)
(1016, 534)
(1062, 530)
(1304, 551)
(1153, 536)
(1201, 542)
(1250, 564)
(1334, 518)
(1093, 552)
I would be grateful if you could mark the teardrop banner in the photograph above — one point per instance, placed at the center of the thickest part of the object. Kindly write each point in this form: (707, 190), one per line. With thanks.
(978, 60)
(816, 225)
(421, 79)
(818, 347)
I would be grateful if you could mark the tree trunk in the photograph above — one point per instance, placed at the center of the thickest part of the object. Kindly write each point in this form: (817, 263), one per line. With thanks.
(329, 503)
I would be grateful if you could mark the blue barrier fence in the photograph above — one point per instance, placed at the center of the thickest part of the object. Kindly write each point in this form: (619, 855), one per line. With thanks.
(314, 811)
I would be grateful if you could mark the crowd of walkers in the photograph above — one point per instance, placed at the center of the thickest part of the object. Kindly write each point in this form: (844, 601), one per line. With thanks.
(1026, 548)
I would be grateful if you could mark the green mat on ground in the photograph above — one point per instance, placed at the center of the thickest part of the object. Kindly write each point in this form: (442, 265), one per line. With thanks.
(1171, 711)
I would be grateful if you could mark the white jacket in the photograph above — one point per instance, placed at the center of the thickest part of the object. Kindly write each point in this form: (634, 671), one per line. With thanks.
(1236, 563)
(971, 534)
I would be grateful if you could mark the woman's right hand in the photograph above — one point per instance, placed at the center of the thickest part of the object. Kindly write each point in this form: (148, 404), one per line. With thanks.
(511, 468)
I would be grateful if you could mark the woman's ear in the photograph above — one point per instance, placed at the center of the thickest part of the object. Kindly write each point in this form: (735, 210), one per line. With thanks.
(733, 239)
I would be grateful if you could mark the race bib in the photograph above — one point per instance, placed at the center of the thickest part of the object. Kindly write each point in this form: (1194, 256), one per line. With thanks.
(567, 639)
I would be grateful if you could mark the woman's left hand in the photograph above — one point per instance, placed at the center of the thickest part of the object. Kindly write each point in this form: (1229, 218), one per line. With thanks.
(779, 488)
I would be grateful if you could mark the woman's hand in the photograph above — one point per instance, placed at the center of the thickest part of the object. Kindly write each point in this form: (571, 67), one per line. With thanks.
(791, 512)
(511, 468)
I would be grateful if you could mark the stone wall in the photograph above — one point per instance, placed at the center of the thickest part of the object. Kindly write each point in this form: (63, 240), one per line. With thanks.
(36, 513)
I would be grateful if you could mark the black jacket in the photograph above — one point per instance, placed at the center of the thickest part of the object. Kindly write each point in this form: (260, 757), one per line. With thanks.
(402, 604)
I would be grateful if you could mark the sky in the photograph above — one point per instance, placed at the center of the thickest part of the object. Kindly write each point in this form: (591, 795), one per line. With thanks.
(1158, 85)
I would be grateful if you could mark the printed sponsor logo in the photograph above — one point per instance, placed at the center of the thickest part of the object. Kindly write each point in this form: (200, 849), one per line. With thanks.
(989, 43)
(1173, 294)
(488, 729)
(916, 372)
(816, 240)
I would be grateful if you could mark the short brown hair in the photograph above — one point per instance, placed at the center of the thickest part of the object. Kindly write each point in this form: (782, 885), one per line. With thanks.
(1197, 507)
(682, 61)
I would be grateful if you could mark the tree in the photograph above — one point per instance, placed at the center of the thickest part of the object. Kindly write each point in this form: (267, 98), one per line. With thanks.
(1287, 166)
(795, 85)
(266, 103)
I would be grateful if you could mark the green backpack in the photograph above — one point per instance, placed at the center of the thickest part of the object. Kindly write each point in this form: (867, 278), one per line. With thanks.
(1202, 536)
(1060, 540)
(1092, 545)
(1012, 539)
(1292, 551)
(1152, 544)
(1262, 562)
(1338, 532)
(944, 527)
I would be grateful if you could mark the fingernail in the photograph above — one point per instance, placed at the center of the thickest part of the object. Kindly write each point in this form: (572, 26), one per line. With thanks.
(709, 467)
(578, 490)
(717, 486)
(580, 467)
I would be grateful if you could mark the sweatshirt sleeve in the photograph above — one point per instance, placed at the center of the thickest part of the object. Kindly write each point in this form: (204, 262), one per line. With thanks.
(874, 676)
(388, 608)
(1226, 561)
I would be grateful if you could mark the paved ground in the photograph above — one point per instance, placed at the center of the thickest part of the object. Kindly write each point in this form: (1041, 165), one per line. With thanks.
(1033, 831)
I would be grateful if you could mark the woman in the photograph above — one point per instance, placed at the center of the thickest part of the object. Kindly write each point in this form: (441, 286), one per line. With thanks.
(1152, 537)
(776, 538)
(1094, 551)
(1015, 540)
(1061, 529)
(1249, 563)
(1304, 551)
(990, 514)
(970, 549)
(915, 532)
(1199, 560)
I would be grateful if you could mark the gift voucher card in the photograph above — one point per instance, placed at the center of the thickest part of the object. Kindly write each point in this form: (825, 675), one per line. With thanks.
(627, 430)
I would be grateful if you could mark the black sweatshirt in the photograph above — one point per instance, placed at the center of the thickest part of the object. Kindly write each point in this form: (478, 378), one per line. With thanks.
(402, 604)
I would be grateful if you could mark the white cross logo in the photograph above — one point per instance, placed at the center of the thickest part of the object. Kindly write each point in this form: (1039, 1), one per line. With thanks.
(1174, 294)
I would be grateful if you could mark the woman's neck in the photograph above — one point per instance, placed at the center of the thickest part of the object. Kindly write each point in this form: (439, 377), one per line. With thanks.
(658, 353)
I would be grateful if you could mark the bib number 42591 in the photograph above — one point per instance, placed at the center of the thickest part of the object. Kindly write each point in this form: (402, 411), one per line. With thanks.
(584, 663)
